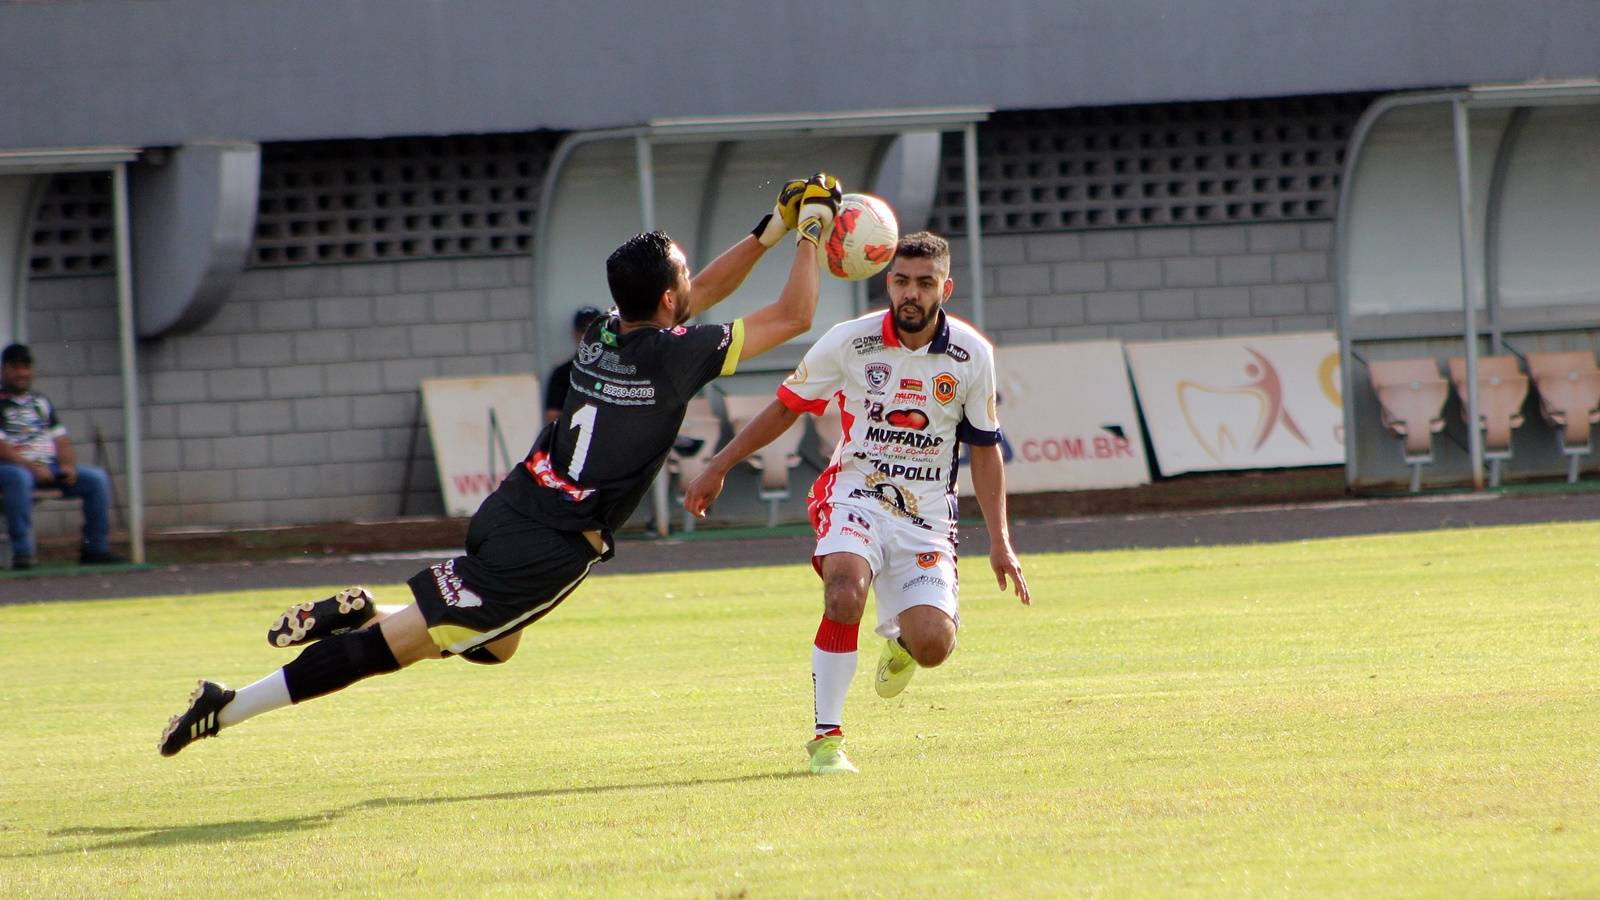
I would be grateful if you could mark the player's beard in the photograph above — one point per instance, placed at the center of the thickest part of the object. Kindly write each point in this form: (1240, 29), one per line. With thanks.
(911, 318)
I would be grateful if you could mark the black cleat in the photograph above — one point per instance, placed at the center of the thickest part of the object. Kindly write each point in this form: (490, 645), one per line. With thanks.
(302, 623)
(198, 721)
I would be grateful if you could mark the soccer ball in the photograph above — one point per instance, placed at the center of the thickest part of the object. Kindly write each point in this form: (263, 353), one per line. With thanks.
(863, 237)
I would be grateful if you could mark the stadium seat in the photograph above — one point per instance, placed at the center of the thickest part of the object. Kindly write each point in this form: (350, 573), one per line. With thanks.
(1411, 395)
(774, 460)
(1502, 388)
(830, 430)
(696, 444)
(1569, 399)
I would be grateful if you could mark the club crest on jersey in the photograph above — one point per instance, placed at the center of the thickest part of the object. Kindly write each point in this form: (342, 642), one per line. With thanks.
(877, 377)
(944, 387)
(928, 560)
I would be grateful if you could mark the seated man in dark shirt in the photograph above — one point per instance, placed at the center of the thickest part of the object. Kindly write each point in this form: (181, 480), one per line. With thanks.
(35, 452)
(555, 390)
(535, 539)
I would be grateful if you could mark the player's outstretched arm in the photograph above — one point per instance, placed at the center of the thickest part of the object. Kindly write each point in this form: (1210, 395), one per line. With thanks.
(989, 483)
(724, 274)
(762, 430)
(790, 315)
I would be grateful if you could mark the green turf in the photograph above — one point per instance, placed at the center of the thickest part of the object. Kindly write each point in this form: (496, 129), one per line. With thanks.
(1395, 715)
(56, 569)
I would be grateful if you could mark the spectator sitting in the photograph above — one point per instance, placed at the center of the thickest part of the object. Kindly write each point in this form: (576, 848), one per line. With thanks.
(555, 390)
(35, 452)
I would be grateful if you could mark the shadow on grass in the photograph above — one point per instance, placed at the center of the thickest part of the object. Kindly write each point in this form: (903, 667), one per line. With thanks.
(140, 837)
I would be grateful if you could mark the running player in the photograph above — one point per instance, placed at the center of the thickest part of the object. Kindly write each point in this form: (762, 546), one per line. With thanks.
(912, 385)
(537, 536)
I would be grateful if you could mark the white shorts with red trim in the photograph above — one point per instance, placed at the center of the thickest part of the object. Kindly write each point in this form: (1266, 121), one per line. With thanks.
(911, 566)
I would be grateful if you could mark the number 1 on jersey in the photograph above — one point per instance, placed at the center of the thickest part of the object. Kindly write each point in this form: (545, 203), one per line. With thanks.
(583, 420)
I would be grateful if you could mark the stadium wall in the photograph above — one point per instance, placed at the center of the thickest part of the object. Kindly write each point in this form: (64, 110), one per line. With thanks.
(378, 264)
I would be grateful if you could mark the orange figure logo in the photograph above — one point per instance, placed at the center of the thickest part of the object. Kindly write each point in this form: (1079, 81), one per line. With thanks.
(944, 387)
(1214, 434)
(928, 560)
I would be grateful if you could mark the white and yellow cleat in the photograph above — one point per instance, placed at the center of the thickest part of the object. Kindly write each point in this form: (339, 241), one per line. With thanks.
(895, 668)
(827, 756)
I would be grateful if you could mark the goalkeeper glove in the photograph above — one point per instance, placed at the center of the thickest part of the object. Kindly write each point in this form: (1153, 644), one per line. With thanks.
(819, 201)
(784, 216)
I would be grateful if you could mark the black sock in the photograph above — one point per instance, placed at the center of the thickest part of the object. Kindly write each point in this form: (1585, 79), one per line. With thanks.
(336, 662)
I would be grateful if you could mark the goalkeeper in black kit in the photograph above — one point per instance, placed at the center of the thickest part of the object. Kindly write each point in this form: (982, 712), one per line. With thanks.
(536, 538)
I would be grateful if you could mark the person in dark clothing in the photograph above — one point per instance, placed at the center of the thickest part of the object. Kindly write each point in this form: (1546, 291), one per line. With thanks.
(535, 539)
(35, 452)
(555, 390)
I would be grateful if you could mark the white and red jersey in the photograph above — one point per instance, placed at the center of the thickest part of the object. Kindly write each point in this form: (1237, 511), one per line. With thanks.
(905, 414)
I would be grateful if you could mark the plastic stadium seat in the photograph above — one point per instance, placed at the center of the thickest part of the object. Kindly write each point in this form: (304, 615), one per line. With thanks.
(1569, 399)
(774, 460)
(1501, 390)
(696, 444)
(830, 430)
(1411, 395)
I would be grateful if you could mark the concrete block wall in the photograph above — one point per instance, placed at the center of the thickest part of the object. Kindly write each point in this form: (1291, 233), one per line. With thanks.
(1151, 284)
(295, 403)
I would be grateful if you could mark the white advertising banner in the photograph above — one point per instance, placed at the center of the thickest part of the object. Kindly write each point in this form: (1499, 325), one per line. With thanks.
(1241, 403)
(1067, 418)
(480, 427)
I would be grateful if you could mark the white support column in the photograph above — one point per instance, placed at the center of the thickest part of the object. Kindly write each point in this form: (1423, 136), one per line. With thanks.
(659, 499)
(132, 449)
(969, 147)
(1469, 286)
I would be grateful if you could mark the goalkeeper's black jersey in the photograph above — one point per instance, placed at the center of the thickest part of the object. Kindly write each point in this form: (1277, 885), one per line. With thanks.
(589, 468)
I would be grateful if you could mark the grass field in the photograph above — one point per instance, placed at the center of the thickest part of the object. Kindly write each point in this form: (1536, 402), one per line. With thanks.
(1395, 715)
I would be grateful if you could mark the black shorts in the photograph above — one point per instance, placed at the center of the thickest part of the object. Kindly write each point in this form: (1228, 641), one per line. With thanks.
(515, 572)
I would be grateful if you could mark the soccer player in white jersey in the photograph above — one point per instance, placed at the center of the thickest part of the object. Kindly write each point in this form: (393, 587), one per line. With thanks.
(912, 384)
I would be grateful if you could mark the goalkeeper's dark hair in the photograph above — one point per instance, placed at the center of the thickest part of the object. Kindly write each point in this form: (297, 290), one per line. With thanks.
(924, 245)
(638, 272)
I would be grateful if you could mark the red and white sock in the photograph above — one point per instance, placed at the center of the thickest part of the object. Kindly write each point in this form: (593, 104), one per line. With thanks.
(833, 664)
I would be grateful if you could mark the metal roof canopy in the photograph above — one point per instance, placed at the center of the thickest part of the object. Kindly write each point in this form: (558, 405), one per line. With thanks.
(1492, 96)
(781, 126)
(114, 160)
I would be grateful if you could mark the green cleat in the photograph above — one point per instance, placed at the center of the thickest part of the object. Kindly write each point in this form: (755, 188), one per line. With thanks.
(827, 756)
(895, 668)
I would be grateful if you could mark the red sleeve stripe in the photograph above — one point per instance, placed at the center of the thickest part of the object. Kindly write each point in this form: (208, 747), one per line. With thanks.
(799, 404)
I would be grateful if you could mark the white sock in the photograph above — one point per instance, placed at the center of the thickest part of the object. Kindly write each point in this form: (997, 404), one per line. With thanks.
(830, 677)
(266, 695)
